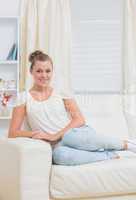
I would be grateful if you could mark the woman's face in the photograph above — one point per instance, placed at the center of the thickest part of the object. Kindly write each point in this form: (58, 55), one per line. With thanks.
(42, 73)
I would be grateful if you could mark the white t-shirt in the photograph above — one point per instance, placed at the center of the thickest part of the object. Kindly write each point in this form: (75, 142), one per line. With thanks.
(48, 115)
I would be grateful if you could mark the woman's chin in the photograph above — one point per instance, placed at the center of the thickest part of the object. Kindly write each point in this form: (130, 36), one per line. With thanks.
(43, 85)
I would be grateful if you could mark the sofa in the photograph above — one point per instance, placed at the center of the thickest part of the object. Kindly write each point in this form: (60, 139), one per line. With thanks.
(27, 172)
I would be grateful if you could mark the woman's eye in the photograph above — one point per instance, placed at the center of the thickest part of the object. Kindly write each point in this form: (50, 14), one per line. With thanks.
(40, 71)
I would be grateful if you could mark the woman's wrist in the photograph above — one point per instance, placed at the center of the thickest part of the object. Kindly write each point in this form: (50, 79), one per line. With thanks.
(33, 134)
(60, 135)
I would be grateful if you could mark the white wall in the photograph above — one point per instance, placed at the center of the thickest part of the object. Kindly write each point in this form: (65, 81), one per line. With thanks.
(9, 7)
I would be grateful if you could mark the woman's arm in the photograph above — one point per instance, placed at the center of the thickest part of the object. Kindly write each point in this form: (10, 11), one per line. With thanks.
(17, 119)
(77, 118)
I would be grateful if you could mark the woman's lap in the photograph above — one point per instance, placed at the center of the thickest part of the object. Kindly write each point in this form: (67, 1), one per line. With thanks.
(82, 145)
(86, 138)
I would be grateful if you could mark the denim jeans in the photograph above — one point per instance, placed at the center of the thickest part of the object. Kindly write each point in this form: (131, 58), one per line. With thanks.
(83, 145)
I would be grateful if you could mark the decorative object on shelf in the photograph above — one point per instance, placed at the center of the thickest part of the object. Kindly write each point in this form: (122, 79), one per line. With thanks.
(4, 99)
(12, 55)
(2, 84)
(11, 84)
(7, 84)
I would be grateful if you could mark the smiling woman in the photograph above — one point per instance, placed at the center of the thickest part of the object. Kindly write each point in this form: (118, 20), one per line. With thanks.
(57, 119)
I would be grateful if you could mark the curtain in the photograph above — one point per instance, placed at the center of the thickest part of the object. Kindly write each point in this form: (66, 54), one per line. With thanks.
(46, 25)
(130, 66)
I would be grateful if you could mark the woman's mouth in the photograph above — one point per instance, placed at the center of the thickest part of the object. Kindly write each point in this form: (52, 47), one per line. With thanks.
(43, 80)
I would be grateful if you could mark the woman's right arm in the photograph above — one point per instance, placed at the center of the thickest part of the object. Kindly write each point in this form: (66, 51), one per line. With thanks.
(18, 114)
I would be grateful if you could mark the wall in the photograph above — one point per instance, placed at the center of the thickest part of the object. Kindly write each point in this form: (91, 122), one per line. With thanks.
(9, 7)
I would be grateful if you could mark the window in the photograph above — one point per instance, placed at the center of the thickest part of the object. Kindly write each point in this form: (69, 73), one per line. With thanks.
(97, 45)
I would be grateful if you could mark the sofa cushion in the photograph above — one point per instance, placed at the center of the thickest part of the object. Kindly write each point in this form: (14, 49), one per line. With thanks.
(104, 178)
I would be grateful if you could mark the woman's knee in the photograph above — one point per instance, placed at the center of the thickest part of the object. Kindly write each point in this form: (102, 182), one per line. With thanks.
(61, 155)
(68, 137)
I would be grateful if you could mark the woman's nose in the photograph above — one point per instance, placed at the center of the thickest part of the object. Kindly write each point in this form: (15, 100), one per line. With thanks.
(44, 74)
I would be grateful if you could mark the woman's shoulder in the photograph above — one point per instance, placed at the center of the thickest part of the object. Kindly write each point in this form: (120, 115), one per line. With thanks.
(21, 98)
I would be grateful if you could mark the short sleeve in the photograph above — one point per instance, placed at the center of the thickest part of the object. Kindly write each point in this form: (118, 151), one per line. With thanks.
(20, 99)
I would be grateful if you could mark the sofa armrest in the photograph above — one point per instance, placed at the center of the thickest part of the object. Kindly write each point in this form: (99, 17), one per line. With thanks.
(24, 169)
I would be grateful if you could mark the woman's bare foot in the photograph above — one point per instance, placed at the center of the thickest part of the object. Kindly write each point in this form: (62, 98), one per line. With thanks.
(130, 145)
(125, 146)
(116, 157)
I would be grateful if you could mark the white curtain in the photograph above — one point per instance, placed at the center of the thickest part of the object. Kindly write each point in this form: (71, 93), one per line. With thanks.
(46, 25)
(130, 66)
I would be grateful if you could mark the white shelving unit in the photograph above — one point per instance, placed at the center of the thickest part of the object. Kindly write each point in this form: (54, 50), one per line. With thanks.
(9, 69)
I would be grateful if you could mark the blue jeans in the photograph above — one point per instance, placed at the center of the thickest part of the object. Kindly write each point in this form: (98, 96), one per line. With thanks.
(83, 145)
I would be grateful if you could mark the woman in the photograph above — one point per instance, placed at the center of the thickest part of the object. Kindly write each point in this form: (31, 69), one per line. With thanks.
(56, 118)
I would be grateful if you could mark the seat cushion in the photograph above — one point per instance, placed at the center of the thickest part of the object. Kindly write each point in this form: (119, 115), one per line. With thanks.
(104, 178)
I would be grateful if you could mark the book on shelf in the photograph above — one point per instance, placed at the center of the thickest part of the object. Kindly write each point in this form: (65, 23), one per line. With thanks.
(12, 55)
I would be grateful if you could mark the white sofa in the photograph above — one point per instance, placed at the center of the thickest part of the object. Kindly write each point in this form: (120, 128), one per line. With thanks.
(27, 173)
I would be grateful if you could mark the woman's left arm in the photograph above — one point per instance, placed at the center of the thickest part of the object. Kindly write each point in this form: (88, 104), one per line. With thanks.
(77, 118)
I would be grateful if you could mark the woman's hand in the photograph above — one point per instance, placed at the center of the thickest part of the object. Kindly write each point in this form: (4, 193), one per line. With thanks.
(46, 136)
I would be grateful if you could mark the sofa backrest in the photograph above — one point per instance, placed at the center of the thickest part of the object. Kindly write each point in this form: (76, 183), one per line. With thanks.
(104, 112)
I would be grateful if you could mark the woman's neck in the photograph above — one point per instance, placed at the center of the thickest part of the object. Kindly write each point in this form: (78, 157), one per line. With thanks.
(41, 89)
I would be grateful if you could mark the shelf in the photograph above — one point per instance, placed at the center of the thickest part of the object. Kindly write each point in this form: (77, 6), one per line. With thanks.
(9, 89)
(9, 17)
(5, 62)
(5, 117)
